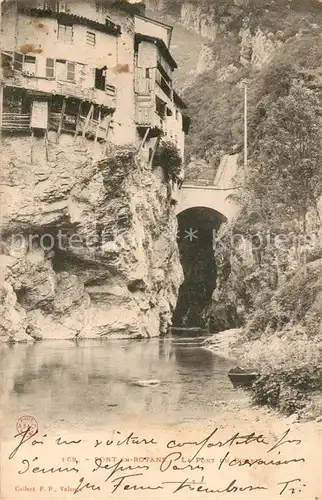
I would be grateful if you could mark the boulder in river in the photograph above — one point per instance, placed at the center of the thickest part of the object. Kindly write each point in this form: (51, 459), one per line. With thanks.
(147, 383)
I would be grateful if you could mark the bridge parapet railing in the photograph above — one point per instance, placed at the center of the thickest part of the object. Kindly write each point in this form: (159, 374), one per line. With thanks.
(199, 182)
(208, 185)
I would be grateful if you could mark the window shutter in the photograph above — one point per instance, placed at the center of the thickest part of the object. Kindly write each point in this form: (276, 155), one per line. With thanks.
(50, 68)
(90, 38)
(71, 71)
(110, 89)
(18, 61)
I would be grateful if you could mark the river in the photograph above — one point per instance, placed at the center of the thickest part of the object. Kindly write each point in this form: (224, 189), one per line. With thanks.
(86, 392)
(85, 383)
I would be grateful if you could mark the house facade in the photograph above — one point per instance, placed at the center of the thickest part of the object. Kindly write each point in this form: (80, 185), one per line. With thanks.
(98, 69)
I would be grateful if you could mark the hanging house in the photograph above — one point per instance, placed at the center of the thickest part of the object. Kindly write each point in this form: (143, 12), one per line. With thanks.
(159, 109)
(93, 68)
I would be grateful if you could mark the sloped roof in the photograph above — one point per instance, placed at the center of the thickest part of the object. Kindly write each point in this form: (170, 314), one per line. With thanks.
(65, 18)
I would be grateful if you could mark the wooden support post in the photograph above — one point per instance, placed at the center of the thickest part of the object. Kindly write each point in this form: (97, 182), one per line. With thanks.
(144, 139)
(98, 124)
(88, 118)
(46, 144)
(79, 112)
(156, 144)
(107, 131)
(61, 120)
(31, 145)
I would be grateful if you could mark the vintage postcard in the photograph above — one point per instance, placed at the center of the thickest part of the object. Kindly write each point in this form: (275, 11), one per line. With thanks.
(160, 251)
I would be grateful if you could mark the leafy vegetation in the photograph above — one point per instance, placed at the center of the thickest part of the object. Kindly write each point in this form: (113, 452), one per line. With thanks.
(283, 180)
(216, 97)
(269, 266)
(169, 158)
(218, 129)
(291, 370)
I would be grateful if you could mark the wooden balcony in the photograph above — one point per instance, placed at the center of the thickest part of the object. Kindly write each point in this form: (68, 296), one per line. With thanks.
(155, 84)
(15, 122)
(146, 116)
(73, 125)
(94, 129)
(48, 86)
(68, 123)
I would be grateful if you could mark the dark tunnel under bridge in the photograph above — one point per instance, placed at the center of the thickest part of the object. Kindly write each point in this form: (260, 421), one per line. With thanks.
(196, 229)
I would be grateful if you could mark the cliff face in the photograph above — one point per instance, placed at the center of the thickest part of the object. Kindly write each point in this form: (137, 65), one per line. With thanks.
(219, 44)
(249, 30)
(257, 43)
(269, 43)
(88, 246)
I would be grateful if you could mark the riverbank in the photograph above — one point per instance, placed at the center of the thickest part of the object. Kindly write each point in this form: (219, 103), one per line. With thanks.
(225, 344)
(230, 345)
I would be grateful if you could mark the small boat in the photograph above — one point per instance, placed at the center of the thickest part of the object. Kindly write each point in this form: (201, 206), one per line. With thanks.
(242, 378)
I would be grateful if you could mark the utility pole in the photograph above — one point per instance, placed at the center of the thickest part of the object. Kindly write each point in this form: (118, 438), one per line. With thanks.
(245, 128)
(1, 83)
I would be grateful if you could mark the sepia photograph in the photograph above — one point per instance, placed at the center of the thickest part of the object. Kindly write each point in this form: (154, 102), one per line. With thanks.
(161, 249)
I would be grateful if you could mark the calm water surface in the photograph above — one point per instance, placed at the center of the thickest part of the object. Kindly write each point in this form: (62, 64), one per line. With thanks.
(92, 383)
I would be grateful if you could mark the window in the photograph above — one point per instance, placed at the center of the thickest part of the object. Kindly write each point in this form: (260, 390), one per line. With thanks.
(96, 113)
(90, 38)
(70, 67)
(29, 65)
(100, 78)
(53, 5)
(61, 69)
(160, 107)
(65, 33)
(17, 61)
(65, 70)
(22, 62)
(147, 73)
(50, 68)
(164, 64)
(6, 61)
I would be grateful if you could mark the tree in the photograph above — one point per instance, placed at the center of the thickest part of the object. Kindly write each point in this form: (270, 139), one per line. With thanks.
(169, 158)
(286, 173)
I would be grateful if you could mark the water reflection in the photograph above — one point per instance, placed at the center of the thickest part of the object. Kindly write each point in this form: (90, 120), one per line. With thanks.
(93, 382)
(194, 358)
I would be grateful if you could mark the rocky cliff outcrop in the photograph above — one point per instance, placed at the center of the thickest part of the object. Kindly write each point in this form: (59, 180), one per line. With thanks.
(88, 246)
(257, 44)
(236, 33)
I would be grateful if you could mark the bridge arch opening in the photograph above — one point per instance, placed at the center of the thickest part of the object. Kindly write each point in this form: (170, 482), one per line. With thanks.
(197, 227)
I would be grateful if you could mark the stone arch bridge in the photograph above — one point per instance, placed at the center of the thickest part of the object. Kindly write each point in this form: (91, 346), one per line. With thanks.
(207, 196)
(202, 206)
(209, 200)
